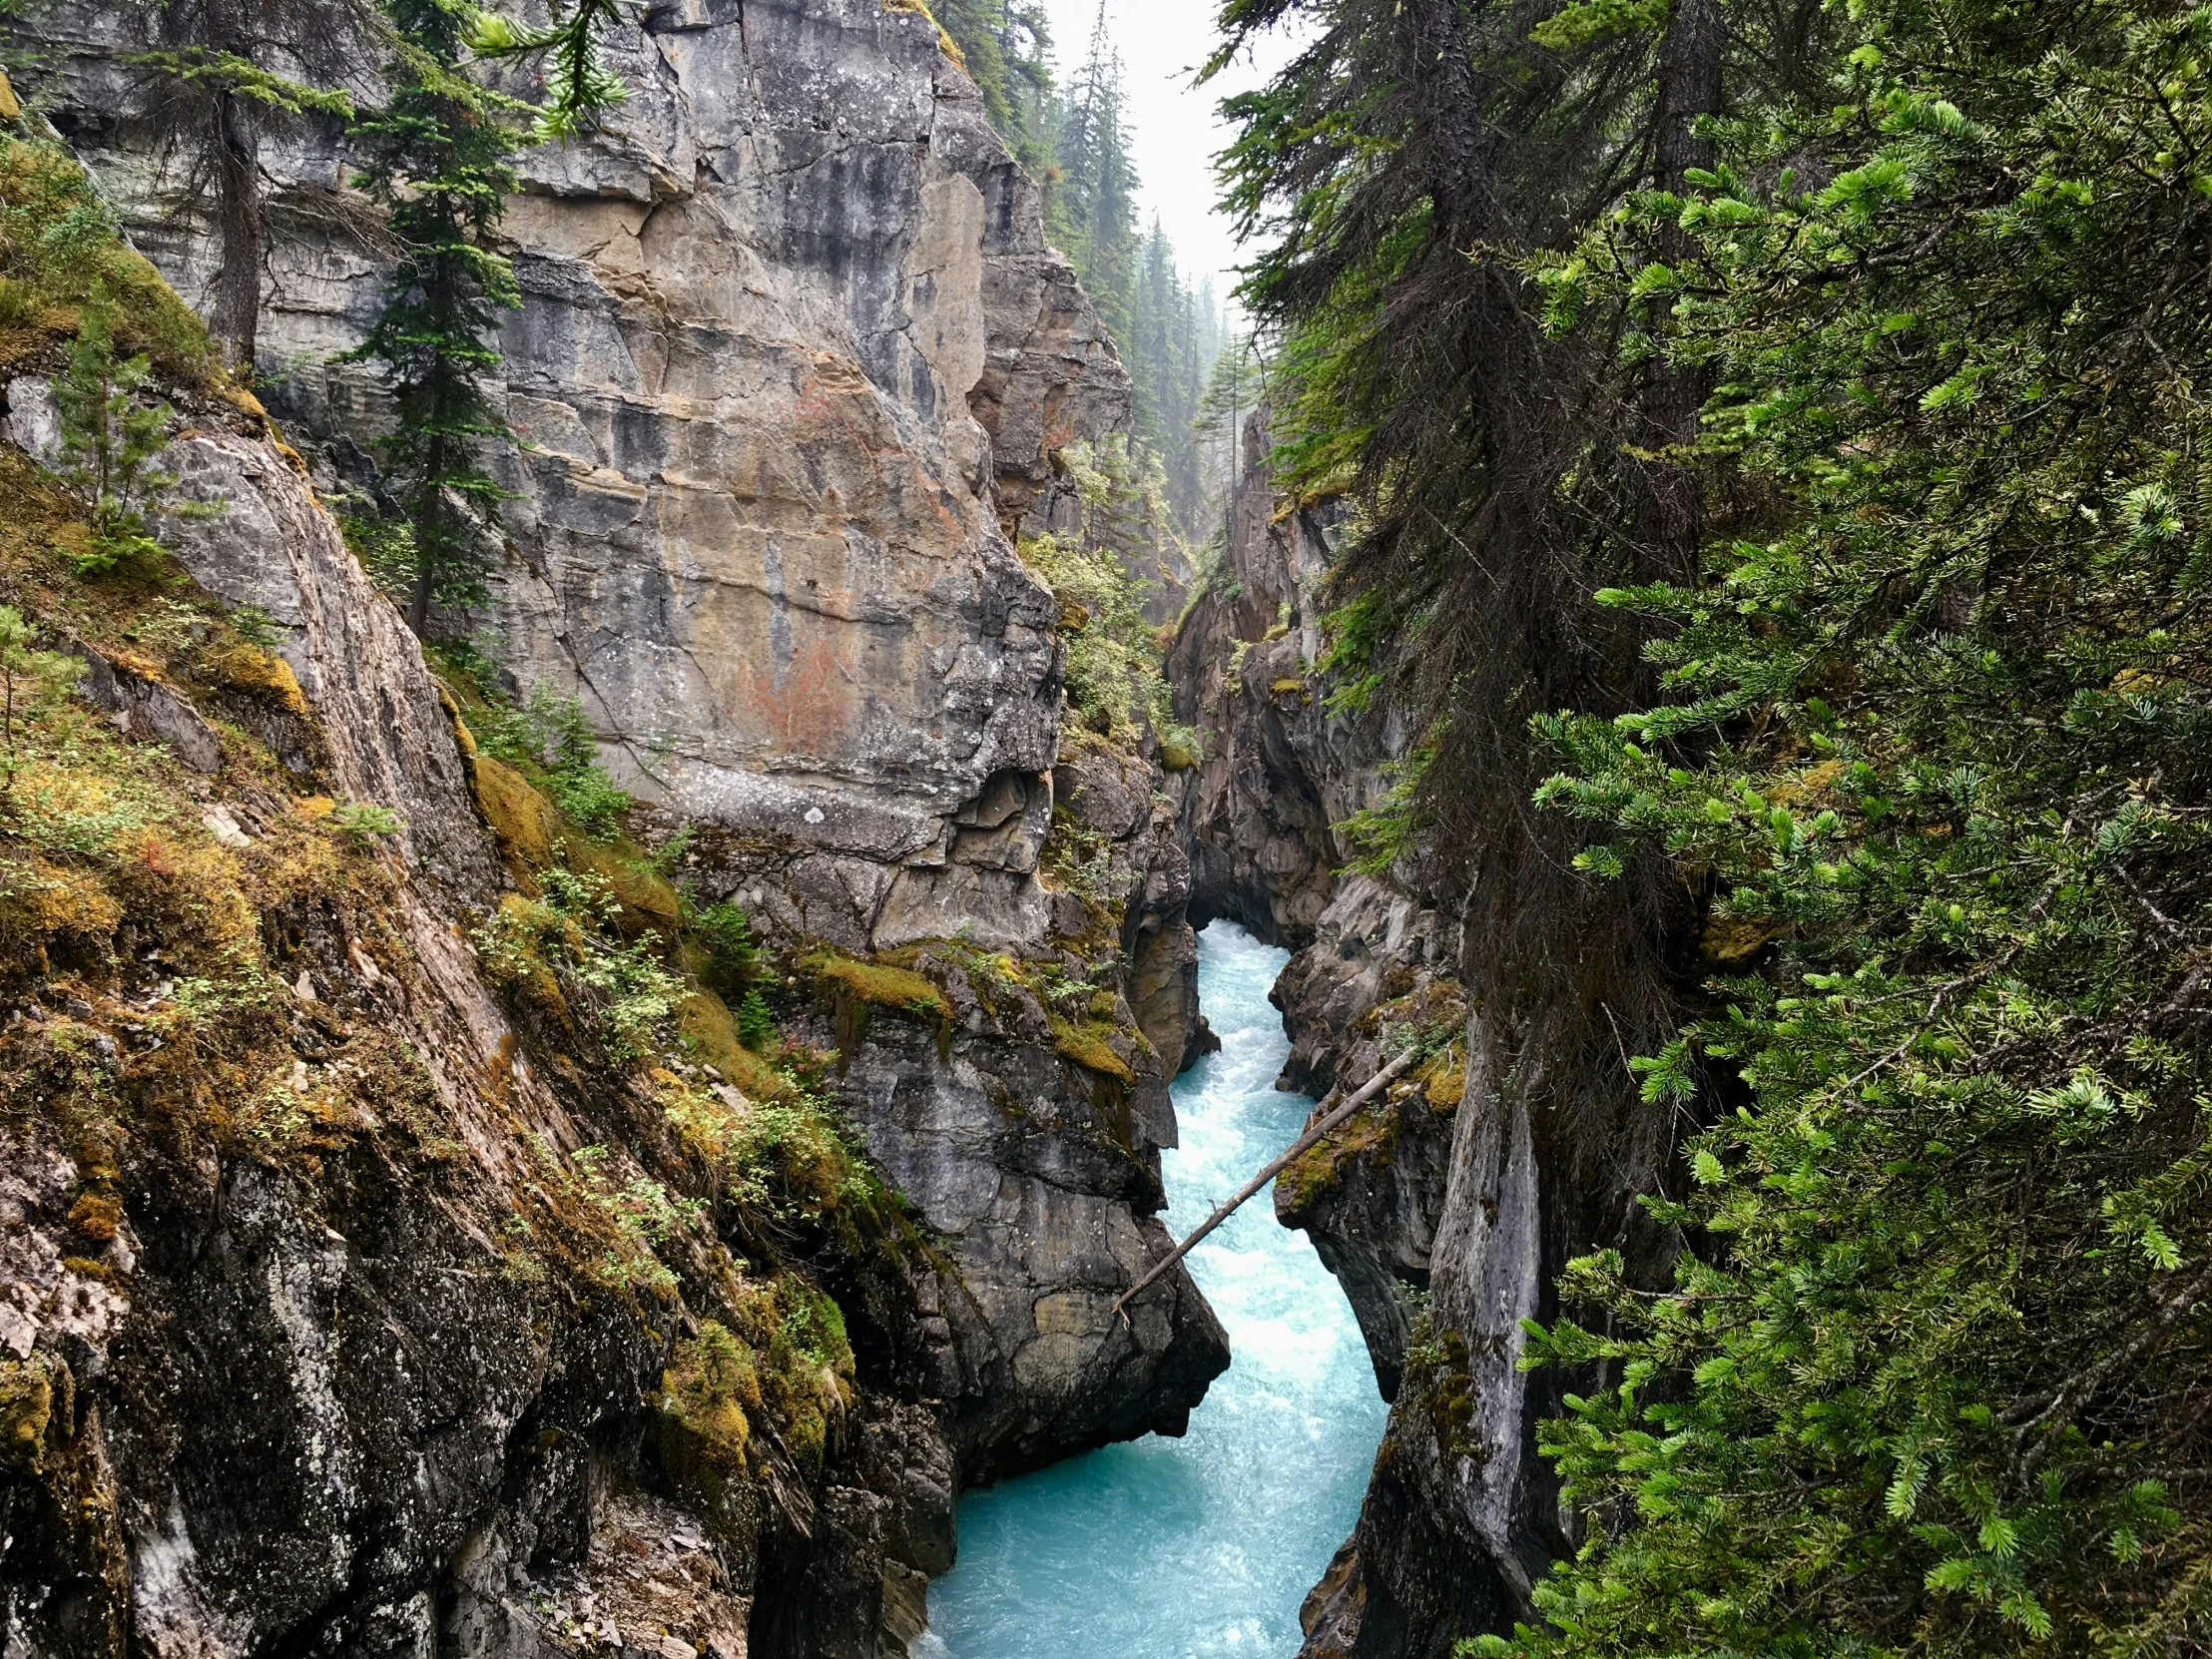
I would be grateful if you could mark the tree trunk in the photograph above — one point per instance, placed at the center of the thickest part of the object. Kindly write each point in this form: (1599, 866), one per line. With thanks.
(418, 609)
(1689, 84)
(236, 152)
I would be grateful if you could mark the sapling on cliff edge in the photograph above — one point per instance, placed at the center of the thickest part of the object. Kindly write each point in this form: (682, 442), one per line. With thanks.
(108, 440)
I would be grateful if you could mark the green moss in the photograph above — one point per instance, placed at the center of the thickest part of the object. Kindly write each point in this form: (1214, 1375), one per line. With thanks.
(878, 984)
(1371, 1137)
(258, 673)
(534, 836)
(710, 1030)
(26, 1411)
(708, 1389)
(803, 1358)
(60, 251)
(1085, 1042)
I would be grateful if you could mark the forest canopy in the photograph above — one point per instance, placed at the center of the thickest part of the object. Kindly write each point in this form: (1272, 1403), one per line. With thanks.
(1776, 432)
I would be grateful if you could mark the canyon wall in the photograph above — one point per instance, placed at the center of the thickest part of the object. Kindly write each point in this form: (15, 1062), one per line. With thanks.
(1448, 1209)
(1371, 957)
(791, 371)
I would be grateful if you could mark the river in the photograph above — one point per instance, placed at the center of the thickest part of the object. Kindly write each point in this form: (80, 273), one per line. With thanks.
(1202, 1546)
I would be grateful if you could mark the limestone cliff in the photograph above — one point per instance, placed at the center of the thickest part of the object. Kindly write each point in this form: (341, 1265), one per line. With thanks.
(793, 357)
(794, 364)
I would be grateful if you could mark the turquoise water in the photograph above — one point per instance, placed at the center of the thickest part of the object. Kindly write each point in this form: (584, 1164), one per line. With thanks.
(1204, 1545)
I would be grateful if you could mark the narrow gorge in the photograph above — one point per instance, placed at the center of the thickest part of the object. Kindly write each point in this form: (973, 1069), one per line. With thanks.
(410, 1248)
(690, 752)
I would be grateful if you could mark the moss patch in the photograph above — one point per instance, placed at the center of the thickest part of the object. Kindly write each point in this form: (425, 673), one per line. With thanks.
(250, 669)
(878, 984)
(710, 1384)
(26, 1410)
(1371, 1135)
(1085, 1042)
(534, 836)
(1444, 1078)
(711, 1031)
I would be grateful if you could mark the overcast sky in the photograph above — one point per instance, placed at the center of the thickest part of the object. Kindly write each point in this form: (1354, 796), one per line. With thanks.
(1173, 126)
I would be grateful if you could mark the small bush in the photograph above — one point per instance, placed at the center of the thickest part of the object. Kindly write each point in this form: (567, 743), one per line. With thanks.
(364, 823)
(548, 735)
(1114, 677)
(756, 1025)
(727, 933)
(556, 953)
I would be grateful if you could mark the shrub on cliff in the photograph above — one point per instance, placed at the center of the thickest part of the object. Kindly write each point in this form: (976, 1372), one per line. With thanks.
(1115, 685)
(549, 736)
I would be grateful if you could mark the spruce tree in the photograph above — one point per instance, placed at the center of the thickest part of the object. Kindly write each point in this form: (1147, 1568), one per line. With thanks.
(227, 74)
(582, 87)
(110, 439)
(438, 160)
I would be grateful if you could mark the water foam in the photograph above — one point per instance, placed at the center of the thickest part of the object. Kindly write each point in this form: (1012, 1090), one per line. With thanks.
(1200, 1547)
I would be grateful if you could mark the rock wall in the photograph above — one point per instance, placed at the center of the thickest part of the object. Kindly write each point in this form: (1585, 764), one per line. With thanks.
(1447, 1210)
(792, 359)
(285, 1367)
(792, 366)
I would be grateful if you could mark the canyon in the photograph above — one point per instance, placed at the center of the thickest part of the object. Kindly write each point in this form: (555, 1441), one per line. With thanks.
(793, 373)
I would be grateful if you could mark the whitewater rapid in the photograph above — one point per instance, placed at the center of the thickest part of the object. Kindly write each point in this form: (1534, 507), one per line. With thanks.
(1199, 1547)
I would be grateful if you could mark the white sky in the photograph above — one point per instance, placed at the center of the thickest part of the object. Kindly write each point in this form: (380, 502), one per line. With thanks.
(1174, 129)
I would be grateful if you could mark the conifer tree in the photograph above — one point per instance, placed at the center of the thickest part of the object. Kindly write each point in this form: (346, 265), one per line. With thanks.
(438, 160)
(227, 72)
(109, 438)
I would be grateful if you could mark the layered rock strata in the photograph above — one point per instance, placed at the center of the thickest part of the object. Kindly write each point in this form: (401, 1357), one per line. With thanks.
(793, 365)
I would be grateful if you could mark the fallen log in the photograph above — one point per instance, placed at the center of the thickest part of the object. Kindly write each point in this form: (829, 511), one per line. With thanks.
(1331, 1118)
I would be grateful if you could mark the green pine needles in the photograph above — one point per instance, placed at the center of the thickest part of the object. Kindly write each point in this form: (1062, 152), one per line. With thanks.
(583, 88)
(1934, 1376)
(438, 158)
(110, 439)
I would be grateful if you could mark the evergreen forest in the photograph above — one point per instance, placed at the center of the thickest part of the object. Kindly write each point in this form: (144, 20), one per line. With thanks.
(1071, 132)
(1784, 514)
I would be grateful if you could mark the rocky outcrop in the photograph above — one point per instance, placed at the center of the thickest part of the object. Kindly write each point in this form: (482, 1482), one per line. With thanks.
(792, 368)
(296, 1357)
